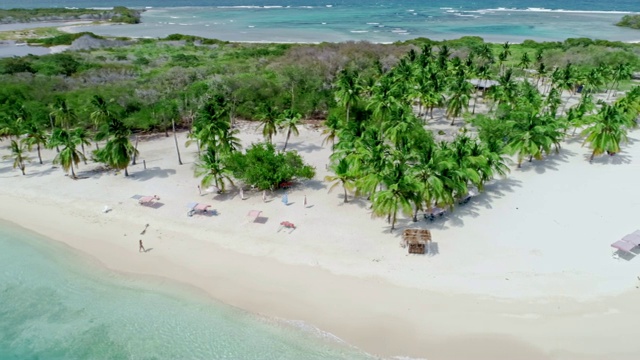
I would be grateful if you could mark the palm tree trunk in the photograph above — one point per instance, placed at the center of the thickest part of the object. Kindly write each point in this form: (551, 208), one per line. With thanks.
(175, 138)
(126, 173)
(84, 156)
(97, 147)
(52, 128)
(73, 174)
(593, 154)
(39, 156)
(135, 151)
(286, 140)
(345, 193)
(22, 168)
(475, 100)
(567, 102)
(415, 214)
(393, 221)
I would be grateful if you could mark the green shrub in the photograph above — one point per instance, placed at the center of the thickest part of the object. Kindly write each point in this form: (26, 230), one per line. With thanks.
(630, 21)
(262, 166)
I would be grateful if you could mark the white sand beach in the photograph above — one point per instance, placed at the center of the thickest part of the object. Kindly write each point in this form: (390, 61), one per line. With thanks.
(523, 271)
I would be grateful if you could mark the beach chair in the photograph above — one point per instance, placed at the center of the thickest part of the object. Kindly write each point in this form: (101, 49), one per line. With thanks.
(288, 225)
(627, 244)
(148, 200)
(436, 212)
(195, 208)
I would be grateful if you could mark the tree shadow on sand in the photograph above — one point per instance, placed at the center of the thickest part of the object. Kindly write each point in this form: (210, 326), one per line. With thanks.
(455, 216)
(549, 162)
(303, 147)
(620, 158)
(151, 173)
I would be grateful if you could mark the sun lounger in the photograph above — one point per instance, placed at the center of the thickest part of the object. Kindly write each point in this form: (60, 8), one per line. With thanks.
(288, 225)
(195, 207)
(633, 238)
(435, 212)
(628, 243)
(147, 200)
(623, 245)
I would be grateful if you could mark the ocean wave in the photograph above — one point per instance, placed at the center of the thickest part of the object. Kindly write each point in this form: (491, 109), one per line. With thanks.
(359, 31)
(545, 10)
(372, 23)
(267, 7)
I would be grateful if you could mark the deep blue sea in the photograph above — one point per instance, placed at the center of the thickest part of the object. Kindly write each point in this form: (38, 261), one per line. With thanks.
(57, 305)
(371, 20)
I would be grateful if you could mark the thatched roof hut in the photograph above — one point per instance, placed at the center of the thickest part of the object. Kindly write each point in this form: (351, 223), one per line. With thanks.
(416, 240)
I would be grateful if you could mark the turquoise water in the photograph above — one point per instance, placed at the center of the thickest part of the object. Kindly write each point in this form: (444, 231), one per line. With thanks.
(370, 20)
(57, 305)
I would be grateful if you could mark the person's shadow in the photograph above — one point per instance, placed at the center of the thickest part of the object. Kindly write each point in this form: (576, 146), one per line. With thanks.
(147, 250)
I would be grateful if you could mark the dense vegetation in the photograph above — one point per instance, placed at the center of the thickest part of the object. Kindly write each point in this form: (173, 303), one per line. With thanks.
(383, 150)
(366, 92)
(630, 21)
(119, 14)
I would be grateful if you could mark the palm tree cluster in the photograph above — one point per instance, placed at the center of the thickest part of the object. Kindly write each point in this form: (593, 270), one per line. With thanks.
(216, 141)
(67, 133)
(272, 120)
(381, 148)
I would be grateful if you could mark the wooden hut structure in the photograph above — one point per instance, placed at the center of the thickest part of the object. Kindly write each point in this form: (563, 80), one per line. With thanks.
(416, 240)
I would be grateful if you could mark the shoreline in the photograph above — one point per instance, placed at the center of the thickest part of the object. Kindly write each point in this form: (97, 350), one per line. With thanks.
(272, 289)
(494, 288)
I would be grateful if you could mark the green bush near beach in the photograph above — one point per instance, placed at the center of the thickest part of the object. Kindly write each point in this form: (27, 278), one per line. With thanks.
(64, 39)
(630, 21)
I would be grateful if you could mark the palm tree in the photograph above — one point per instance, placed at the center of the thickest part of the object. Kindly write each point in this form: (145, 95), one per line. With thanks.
(348, 89)
(332, 126)
(63, 114)
(269, 117)
(533, 134)
(541, 73)
(18, 155)
(399, 192)
(607, 131)
(118, 152)
(83, 137)
(289, 122)
(524, 63)
(35, 136)
(69, 155)
(622, 71)
(212, 169)
(101, 111)
(504, 55)
(461, 91)
(344, 175)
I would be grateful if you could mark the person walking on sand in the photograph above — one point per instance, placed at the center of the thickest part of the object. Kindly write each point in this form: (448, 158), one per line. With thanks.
(199, 190)
(141, 249)
(264, 196)
(241, 194)
(305, 201)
